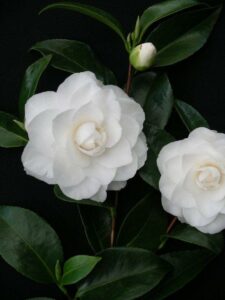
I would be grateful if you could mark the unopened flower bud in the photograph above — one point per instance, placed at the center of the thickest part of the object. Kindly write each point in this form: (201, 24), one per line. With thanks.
(142, 56)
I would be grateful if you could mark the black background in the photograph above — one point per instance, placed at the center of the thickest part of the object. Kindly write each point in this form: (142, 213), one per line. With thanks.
(199, 80)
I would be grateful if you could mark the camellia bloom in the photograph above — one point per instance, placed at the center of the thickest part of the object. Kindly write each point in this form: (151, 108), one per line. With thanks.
(192, 179)
(143, 56)
(86, 137)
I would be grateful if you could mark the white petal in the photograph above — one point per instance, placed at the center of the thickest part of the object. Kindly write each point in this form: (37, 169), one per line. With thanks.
(133, 109)
(102, 174)
(169, 151)
(101, 195)
(171, 208)
(215, 226)
(128, 171)
(62, 126)
(117, 156)
(166, 186)
(173, 169)
(141, 149)
(131, 129)
(85, 190)
(88, 113)
(113, 131)
(203, 133)
(182, 198)
(209, 208)
(37, 164)
(116, 185)
(40, 132)
(107, 102)
(74, 83)
(193, 217)
(66, 172)
(38, 104)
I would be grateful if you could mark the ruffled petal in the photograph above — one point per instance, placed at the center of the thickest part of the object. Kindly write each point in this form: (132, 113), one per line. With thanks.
(214, 227)
(66, 172)
(117, 156)
(131, 129)
(113, 131)
(128, 171)
(171, 208)
(37, 164)
(193, 217)
(40, 103)
(101, 195)
(85, 190)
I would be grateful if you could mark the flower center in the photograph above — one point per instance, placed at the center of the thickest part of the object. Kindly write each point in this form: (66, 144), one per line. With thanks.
(90, 138)
(209, 177)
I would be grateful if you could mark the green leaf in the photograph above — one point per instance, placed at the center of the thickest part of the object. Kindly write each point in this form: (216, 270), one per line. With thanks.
(58, 271)
(97, 223)
(77, 268)
(144, 224)
(163, 9)
(73, 56)
(190, 116)
(187, 265)
(93, 12)
(188, 234)
(30, 81)
(11, 134)
(29, 244)
(159, 102)
(156, 138)
(123, 273)
(178, 38)
(150, 173)
(59, 194)
(140, 87)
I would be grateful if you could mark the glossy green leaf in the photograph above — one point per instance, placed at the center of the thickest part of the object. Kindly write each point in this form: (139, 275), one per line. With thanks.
(156, 138)
(150, 173)
(11, 134)
(140, 87)
(123, 273)
(144, 224)
(59, 194)
(93, 12)
(178, 38)
(190, 116)
(188, 234)
(187, 265)
(97, 223)
(163, 9)
(77, 268)
(30, 81)
(73, 56)
(159, 102)
(29, 244)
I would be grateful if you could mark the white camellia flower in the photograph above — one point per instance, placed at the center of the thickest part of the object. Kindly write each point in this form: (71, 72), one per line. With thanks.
(86, 137)
(192, 179)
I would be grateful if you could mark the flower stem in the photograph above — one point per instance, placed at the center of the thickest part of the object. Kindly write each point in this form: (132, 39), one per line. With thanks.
(172, 223)
(129, 77)
(113, 215)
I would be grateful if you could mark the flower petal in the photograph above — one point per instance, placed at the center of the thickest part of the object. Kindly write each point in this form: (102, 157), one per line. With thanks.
(85, 190)
(116, 185)
(37, 164)
(40, 103)
(193, 217)
(113, 131)
(117, 156)
(214, 227)
(128, 171)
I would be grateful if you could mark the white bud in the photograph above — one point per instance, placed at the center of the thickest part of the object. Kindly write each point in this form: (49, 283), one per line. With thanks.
(142, 56)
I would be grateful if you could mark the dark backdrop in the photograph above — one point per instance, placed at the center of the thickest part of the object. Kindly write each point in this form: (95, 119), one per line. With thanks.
(198, 80)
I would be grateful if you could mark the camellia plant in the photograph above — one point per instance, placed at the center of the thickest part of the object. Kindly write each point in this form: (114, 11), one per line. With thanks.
(88, 138)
